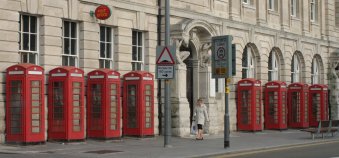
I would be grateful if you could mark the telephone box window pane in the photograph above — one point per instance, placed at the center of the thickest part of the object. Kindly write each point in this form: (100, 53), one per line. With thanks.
(58, 102)
(35, 96)
(113, 92)
(113, 109)
(113, 104)
(131, 106)
(113, 115)
(35, 103)
(35, 130)
(76, 128)
(15, 109)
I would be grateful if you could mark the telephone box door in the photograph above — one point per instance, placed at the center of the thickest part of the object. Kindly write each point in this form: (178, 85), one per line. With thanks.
(275, 105)
(138, 108)
(318, 104)
(298, 105)
(249, 105)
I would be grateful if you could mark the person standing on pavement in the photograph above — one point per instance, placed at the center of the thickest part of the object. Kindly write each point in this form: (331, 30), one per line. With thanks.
(200, 115)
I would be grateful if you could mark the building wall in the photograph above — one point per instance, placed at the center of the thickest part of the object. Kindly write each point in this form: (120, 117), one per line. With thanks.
(249, 23)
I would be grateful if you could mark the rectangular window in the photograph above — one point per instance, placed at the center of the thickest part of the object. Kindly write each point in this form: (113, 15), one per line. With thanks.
(29, 39)
(314, 11)
(137, 50)
(273, 5)
(294, 7)
(70, 44)
(106, 47)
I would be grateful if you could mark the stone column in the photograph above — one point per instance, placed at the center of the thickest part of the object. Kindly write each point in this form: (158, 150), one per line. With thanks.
(180, 105)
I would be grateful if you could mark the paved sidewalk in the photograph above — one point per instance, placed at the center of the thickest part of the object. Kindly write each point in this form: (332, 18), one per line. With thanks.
(129, 147)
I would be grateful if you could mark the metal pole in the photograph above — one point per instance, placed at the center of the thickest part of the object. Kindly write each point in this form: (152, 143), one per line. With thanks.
(168, 133)
(226, 119)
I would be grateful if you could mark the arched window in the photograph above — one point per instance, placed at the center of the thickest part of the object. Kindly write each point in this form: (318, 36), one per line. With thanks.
(248, 63)
(315, 71)
(295, 71)
(273, 66)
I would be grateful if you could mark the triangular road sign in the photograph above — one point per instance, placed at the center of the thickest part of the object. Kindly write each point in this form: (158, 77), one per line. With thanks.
(165, 57)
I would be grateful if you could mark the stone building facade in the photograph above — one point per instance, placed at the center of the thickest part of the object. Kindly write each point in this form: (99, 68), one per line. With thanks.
(291, 41)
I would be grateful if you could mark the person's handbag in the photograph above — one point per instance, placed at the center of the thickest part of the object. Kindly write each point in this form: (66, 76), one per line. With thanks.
(193, 128)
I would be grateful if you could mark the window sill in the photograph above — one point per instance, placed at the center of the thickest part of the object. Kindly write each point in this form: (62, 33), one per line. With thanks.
(248, 6)
(295, 18)
(273, 12)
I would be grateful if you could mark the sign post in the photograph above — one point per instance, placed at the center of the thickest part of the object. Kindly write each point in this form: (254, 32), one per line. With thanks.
(222, 68)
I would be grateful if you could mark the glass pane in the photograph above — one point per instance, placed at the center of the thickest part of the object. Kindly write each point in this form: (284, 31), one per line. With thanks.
(25, 19)
(64, 60)
(139, 53)
(35, 103)
(33, 24)
(107, 64)
(35, 129)
(76, 103)
(72, 61)
(108, 35)
(76, 84)
(76, 128)
(32, 58)
(73, 30)
(134, 38)
(113, 86)
(66, 29)
(35, 83)
(25, 41)
(35, 96)
(66, 46)
(102, 33)
(140, 39)
(35, 110)
(113, 104)
(108, 50)
(102, 50)
(134, 53)
(73, 46)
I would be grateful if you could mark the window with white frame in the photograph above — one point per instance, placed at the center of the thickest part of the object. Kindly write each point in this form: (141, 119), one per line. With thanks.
(273, 66)
(70, 44)
(314, 10)
(315, 71)
(106, 47)
(29, 39)
(294, 7)
(248, 63)
(246, 1)
(295, 71)
(137, 50)
(273, 5)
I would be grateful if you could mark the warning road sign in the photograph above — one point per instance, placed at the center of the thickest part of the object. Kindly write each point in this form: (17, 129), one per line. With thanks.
(165, 57)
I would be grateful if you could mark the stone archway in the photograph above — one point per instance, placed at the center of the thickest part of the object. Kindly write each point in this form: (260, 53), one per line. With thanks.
(193, 70)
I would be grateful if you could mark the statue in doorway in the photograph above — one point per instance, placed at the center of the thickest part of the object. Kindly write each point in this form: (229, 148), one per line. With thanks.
(206, 54)
(334, 87)
(182, 55)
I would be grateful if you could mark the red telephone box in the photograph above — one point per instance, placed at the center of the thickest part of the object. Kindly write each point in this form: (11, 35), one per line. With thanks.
(103, 104)
(138, 104)
(318, 104)
(275, 105)
(249, 105)
(25, 109)
(298, 105)
(65, 104)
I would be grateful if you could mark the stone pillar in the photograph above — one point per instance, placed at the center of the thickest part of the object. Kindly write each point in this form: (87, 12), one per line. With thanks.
(180, 105)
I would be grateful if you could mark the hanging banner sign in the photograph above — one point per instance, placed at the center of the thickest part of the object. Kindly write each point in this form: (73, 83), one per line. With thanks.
(102, 12)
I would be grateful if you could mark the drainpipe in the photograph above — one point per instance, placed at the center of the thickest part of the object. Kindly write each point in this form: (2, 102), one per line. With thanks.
(159, 17)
